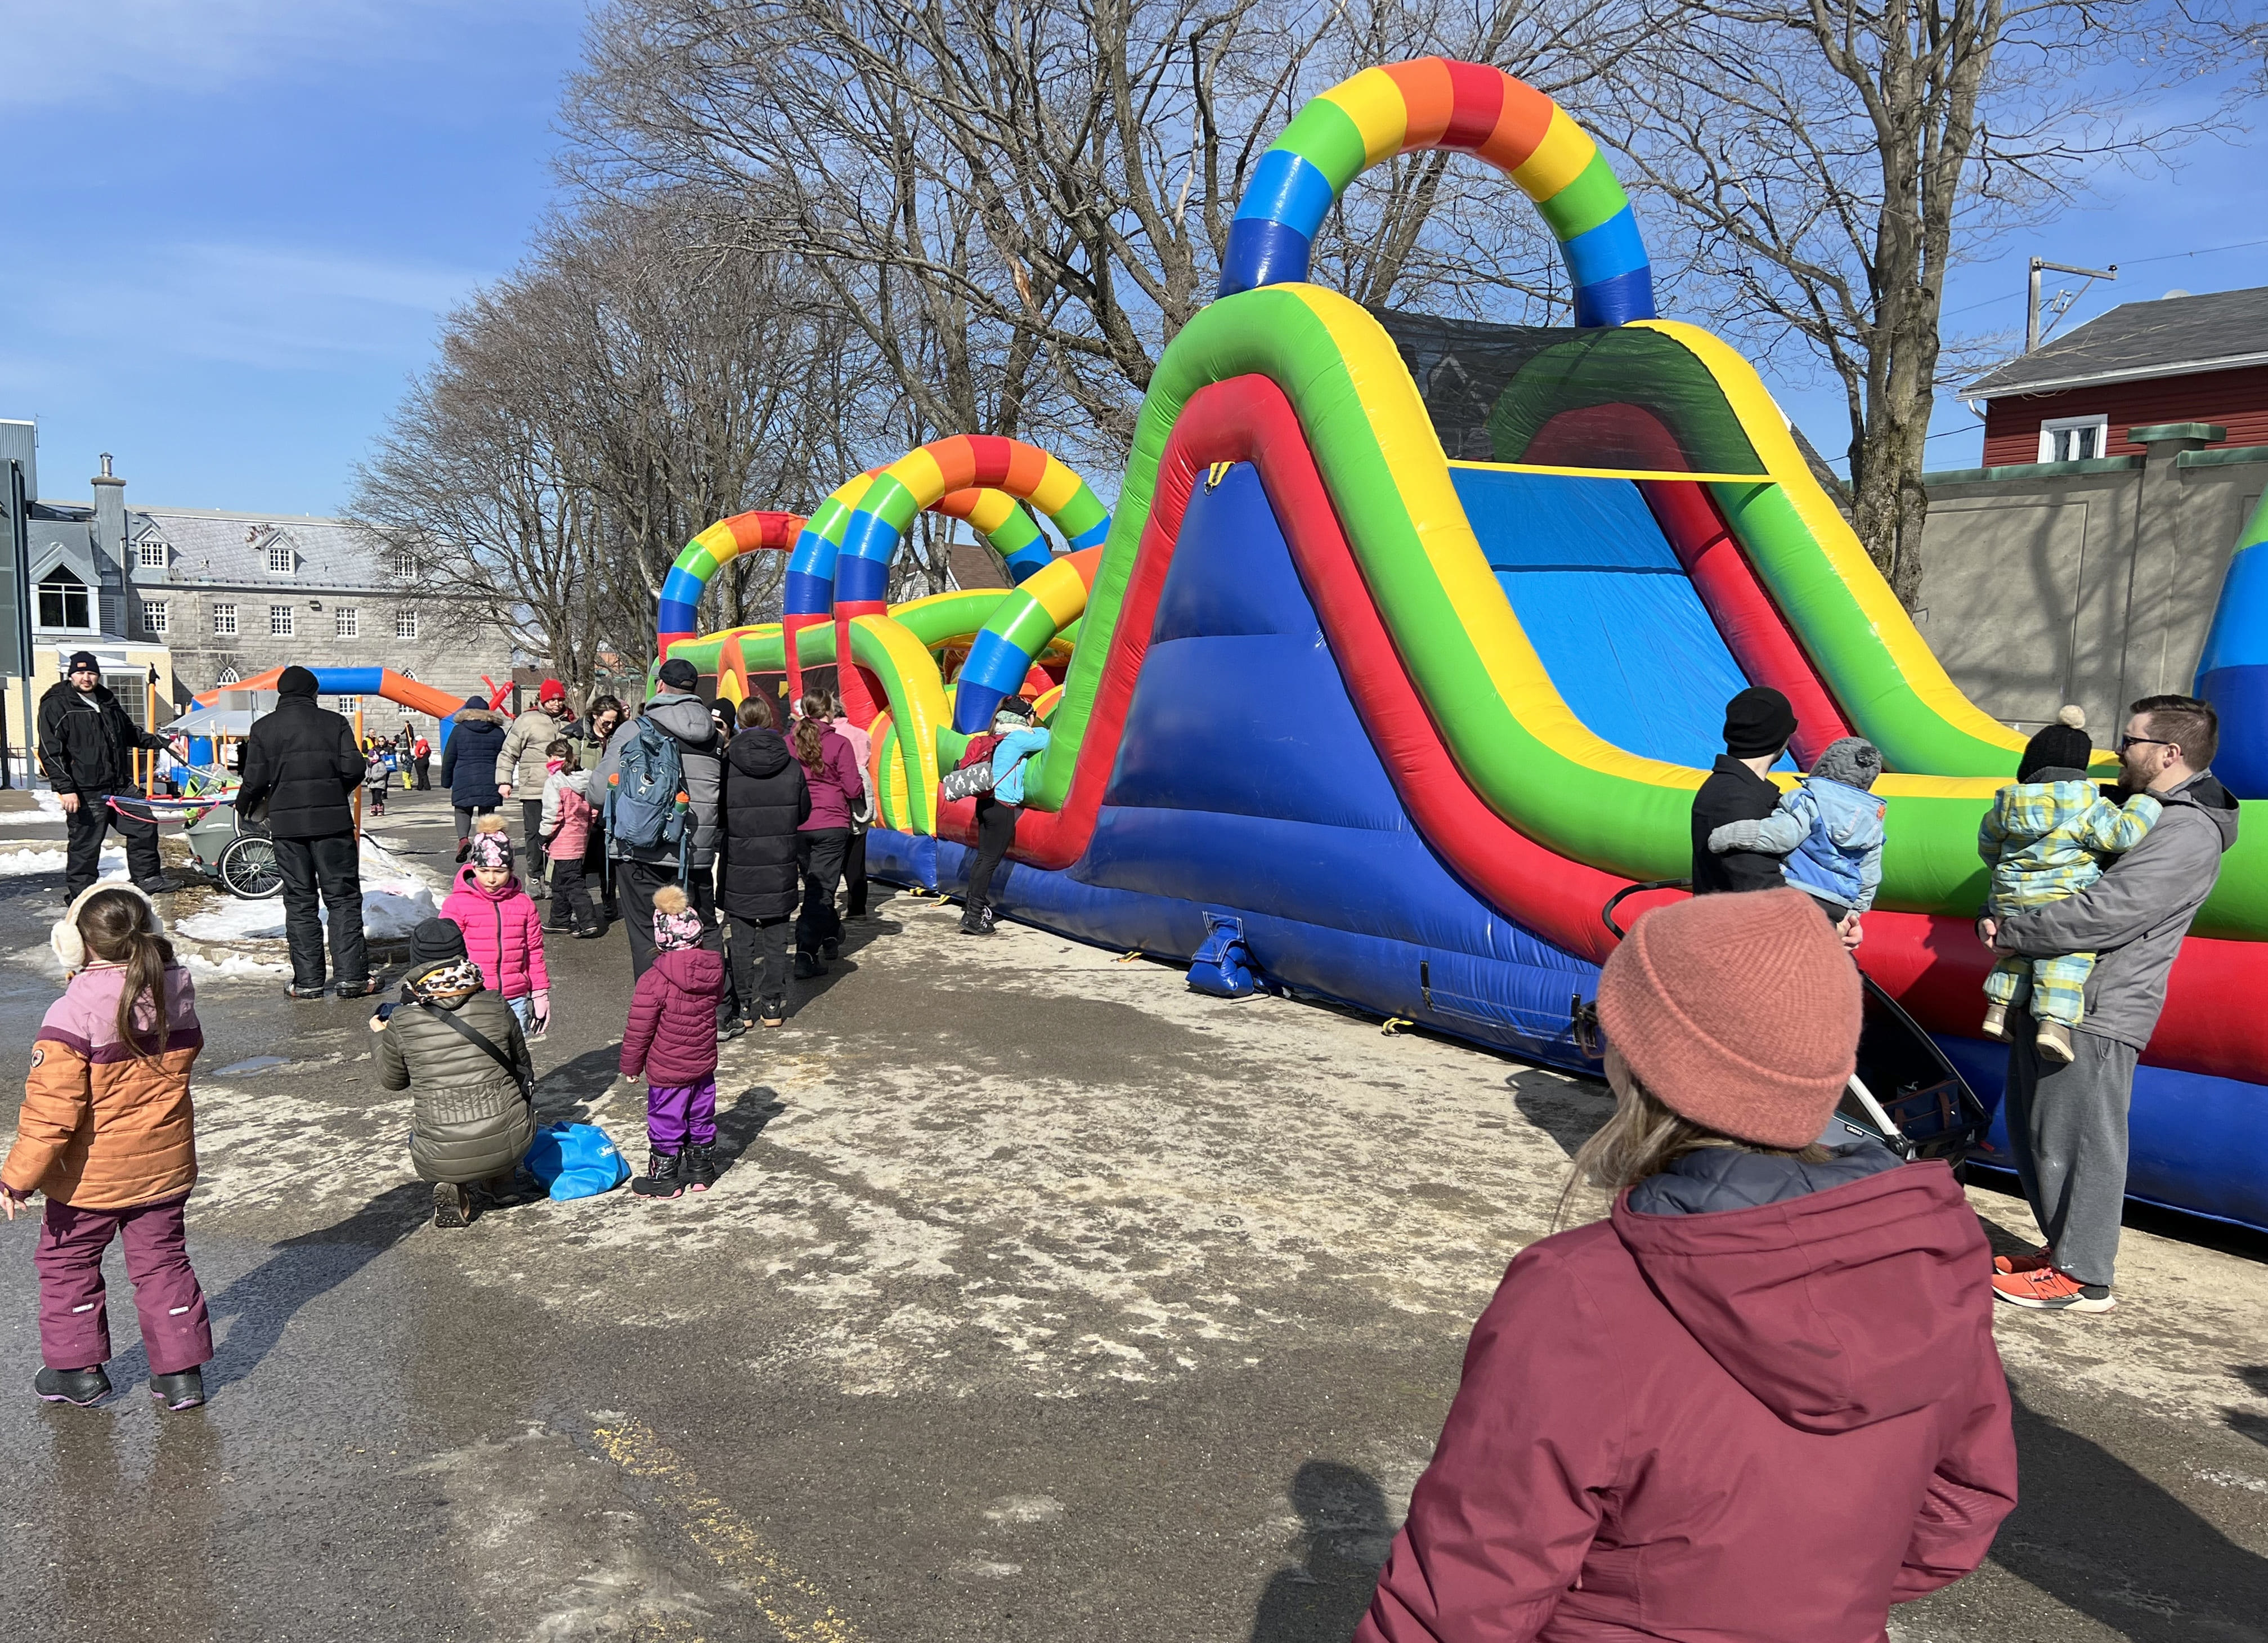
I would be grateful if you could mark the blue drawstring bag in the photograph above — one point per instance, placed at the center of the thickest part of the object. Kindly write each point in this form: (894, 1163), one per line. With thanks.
(576, 1160)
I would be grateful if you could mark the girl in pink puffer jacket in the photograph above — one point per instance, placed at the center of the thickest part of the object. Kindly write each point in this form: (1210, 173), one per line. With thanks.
(503, 933)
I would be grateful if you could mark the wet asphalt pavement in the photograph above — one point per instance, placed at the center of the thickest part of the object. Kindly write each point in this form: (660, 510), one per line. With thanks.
(1040, 1299)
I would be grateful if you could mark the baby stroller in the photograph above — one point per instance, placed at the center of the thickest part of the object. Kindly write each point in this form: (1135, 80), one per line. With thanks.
(241, 859)
(1904, 1092)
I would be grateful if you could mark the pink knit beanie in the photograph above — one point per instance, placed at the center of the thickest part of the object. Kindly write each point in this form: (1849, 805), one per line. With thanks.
(1739, 1012)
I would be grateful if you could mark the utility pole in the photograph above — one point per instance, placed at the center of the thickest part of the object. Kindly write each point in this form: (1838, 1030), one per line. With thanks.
(2032, 294)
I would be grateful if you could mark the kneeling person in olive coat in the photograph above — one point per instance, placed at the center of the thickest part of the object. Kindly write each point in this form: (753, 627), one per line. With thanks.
(455, 1047)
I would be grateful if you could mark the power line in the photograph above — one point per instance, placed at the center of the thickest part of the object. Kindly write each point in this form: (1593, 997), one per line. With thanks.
(2167, 256)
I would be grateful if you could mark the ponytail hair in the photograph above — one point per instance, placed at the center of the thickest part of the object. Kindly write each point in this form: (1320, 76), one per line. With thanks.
(809, 750)
(120, 927)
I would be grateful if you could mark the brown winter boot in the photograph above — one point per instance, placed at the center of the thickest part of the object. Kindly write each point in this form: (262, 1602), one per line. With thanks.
(2054, 1041)
(1996, 1022)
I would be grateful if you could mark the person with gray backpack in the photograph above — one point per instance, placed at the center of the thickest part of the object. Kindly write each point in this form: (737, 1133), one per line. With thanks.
(658, 787)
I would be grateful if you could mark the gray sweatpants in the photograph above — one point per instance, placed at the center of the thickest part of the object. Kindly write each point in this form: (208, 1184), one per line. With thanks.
(2067, 1127)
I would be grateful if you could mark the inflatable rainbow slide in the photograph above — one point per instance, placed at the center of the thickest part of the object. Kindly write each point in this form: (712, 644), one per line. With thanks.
(1410, 721)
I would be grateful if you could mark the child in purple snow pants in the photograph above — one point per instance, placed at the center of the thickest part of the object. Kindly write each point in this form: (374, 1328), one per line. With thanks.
(679, 1114)
(74, 1319)
(671, 1038)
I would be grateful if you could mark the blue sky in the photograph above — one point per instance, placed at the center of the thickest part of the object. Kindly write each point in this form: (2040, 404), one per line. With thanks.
(233, 226)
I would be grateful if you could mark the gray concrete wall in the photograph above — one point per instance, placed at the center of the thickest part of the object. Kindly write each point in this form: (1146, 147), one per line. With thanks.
(2085, 582)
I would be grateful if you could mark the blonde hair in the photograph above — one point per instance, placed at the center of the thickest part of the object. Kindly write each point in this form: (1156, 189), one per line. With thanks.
(1644, 1136)
(490, 823)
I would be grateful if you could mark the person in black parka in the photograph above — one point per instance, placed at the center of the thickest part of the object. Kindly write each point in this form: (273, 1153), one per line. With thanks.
(765, 801)
(87, 744)
(301, 766)
(468, 765)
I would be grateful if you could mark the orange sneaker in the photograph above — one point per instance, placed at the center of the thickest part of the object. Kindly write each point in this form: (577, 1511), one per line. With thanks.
(2041, 1257)
(2050, 1291)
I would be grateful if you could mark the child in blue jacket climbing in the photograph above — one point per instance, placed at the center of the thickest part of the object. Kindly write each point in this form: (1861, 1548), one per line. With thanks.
(1828, 831)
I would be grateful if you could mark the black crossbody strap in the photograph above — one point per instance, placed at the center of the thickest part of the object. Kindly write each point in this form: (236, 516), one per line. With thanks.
(481, 1040)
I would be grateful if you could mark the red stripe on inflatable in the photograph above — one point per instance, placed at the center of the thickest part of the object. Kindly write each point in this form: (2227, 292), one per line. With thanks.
(990, 458)
(1933, 965)
(1478, 99)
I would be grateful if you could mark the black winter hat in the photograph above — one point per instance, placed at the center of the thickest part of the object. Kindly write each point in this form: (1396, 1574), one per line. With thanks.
(83, 658)
(680, 675)
(1757, 722)
(2064, 744)
(436, 940)
(296, 681)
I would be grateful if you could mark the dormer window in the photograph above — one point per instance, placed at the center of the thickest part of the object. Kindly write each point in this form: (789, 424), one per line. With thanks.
(279, 557)
(63, 601)
(149, 553)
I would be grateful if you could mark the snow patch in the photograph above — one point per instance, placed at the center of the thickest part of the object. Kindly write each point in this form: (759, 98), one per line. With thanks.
(397, 896)
(29, 859)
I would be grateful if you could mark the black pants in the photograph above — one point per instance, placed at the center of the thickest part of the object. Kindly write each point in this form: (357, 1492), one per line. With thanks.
(329, 868)
(595, 870)
(819, 856)
(572, 903)
(854, 874)
(84, 829)
(761, 941)
(636, 882)
(424, 775)
(374, 800)
(533, 863)
(996, 831)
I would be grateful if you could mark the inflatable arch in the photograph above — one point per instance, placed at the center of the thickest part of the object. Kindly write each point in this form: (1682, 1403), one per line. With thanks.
(378, 682)
(1409, 722)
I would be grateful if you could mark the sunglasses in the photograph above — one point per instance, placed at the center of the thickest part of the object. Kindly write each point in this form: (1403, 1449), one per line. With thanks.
(2125, 743)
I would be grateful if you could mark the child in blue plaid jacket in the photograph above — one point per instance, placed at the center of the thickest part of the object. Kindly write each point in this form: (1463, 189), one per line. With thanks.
(2045, 839)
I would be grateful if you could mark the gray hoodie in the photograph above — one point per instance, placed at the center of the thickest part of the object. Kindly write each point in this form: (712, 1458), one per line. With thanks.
(2133, 917)
(685, 717)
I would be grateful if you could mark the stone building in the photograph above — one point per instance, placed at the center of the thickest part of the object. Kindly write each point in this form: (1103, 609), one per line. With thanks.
(176, 602)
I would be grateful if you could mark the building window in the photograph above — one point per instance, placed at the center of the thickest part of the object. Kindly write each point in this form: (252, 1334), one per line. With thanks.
(149, 553)
(132, 691)
(279, 558)
(154, 616)
(228, 676)
(405, 624)
(63, 601)
(349, 705)
(405, 564)
(2074, 438)
(279, 622)
(347, 621)
(224, 624)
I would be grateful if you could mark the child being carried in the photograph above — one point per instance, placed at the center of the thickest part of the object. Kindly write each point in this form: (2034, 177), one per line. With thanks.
(1828, 831)
(2045, 839)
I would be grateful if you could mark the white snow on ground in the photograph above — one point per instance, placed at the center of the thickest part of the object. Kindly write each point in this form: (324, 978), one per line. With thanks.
(397, 896)
(27, 859)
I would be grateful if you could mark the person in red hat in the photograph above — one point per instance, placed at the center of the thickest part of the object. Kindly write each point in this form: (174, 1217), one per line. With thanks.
(524, 764)
(1760, 1399)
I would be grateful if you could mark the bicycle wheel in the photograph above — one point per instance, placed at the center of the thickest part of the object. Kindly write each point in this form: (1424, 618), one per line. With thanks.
(247, 868)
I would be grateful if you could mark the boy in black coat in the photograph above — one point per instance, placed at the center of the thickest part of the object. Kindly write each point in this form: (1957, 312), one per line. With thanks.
(764, 800)
(1758, 725)
(86, 748)
(301, 767)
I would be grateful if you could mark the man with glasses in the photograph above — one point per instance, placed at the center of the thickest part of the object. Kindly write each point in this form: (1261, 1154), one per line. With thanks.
(86, 748)
(2067, 1124)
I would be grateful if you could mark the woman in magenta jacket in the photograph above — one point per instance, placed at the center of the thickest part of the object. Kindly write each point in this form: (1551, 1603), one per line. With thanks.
(831, 770)
(1760, 1400)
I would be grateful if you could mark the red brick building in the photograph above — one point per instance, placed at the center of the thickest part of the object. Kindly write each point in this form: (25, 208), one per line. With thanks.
(2180, 359)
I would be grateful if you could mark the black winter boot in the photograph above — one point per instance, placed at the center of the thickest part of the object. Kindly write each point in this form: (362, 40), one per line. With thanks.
(448, 1204)
(661, 1179)
(698, 1167)
(81, 1388)
(178, 1392)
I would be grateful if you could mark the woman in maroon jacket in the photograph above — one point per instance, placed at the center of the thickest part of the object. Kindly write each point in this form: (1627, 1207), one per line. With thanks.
(1761, 1399)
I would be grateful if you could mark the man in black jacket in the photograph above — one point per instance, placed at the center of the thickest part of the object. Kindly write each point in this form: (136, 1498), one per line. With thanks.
(301, 767)
(1758, 725)
(86, 748)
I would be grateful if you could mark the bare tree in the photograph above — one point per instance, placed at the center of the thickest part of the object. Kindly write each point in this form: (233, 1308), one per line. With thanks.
(589, 414)
(1827, 162)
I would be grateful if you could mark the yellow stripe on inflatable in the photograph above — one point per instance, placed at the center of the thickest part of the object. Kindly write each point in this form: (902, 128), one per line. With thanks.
(1617, 472)
(1560, 159)
(1056, 487)
(919, 708)
(1059, 590)
(1379, 110)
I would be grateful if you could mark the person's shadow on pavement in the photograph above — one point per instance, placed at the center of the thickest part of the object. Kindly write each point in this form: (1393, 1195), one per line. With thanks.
(1321, 1598)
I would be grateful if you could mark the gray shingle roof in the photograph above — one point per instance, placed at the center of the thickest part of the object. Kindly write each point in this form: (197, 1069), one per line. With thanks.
(210, 545)
(2173, 336)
